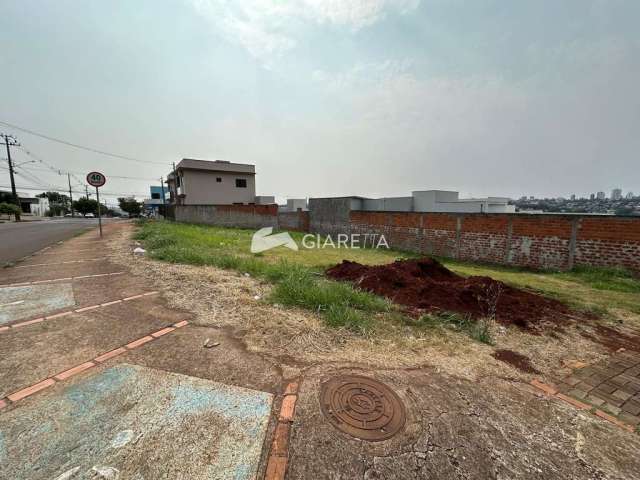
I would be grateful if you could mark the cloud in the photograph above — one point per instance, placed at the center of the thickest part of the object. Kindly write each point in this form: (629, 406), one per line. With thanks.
(267, 27)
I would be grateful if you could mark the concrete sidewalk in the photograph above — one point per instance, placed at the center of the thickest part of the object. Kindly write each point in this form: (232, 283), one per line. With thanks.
(73, 404)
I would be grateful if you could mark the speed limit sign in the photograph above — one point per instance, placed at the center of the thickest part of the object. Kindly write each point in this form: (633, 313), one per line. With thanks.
(96, 179)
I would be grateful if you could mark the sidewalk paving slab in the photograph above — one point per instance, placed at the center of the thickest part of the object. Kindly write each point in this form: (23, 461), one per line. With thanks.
(131, 422)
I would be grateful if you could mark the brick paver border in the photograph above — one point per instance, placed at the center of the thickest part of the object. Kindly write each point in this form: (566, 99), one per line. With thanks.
(77, 310)
(279, 453)
(102, 358)
(58, 263)
(552, 391)
(63, 279)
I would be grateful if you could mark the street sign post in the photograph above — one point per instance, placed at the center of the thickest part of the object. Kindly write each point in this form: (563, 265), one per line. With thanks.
(96, 179)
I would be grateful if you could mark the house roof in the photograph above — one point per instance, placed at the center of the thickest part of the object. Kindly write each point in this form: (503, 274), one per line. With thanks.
(216, 166)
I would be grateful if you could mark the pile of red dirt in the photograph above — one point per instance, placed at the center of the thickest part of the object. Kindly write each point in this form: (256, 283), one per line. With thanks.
(426, 286)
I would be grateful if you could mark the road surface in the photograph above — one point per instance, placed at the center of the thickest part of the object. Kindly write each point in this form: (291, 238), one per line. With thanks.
(20, 239)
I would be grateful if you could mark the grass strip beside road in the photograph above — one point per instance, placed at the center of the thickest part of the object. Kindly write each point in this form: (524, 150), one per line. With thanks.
(295, 284)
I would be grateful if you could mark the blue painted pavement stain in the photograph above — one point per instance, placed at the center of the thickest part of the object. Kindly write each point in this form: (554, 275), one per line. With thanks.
(80, 425)
(17, 303)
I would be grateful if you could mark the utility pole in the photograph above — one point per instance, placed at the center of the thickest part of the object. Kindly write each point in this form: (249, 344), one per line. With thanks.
(9, 141)
(70, 197)
(86, 191)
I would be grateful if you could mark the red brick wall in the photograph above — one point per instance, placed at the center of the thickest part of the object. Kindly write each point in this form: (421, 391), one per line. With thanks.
(296, 221)
(539, 241)
(608, 241)
(251, 209)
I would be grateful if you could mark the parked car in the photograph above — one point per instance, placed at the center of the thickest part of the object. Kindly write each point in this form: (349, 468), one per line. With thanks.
(89, 215)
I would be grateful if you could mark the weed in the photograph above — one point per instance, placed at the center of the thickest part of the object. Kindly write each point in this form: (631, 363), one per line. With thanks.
(479, 330)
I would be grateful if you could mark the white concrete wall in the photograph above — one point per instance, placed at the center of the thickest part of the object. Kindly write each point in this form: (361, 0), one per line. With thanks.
(265, 200)
(201, 188)
(388, 204)
(293, 204)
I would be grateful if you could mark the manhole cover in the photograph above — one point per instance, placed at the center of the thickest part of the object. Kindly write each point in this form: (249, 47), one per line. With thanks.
(362, 407)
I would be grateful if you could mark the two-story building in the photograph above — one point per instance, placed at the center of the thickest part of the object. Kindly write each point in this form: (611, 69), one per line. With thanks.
(207, 182)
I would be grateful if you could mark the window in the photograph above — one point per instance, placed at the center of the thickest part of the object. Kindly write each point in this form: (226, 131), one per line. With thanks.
(241, 183)
(219, 179)
(155, 196)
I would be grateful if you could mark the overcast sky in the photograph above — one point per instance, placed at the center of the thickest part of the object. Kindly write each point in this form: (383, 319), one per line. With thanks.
(335, 97)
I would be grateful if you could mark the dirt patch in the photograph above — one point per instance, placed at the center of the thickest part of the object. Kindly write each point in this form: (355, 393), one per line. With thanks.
(516, 360)
(426, 286)
(613, 339)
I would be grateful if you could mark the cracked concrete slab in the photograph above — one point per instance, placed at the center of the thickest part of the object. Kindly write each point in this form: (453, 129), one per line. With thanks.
(458, 429)
(137, 423)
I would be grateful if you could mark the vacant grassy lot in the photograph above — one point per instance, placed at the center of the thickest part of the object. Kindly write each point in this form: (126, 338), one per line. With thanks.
(298, 278)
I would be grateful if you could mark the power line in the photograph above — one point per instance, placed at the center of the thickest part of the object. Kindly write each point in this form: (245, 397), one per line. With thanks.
(65, 190)
(75, 145)
(120, 177)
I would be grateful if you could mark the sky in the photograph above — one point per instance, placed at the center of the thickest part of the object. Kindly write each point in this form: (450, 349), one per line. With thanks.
(328, 98)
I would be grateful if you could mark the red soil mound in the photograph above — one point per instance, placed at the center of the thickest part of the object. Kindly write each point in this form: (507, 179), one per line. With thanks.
(425, 285)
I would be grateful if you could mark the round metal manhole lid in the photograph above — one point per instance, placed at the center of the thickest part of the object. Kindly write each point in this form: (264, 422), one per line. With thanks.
(362, 407)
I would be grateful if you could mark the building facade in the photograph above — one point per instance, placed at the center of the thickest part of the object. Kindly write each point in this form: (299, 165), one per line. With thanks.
(206, 182)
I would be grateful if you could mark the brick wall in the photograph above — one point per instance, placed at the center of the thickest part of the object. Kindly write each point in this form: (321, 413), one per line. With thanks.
(241, 216)
(294, 221)
(538, 241)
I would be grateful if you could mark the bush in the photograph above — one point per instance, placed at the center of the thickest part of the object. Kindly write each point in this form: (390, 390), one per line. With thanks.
(10, 209)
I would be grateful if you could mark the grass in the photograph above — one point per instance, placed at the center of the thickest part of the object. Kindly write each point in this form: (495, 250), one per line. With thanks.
(597, 290)
(297, 283)
(298, 280)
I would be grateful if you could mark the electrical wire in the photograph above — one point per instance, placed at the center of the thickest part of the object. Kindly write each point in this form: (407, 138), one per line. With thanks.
(82, 147)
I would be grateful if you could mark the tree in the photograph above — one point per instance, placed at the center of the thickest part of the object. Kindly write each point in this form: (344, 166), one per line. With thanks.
(9, 209)
(85, 205)
(6, 197)
(55, 197)
(130, 205)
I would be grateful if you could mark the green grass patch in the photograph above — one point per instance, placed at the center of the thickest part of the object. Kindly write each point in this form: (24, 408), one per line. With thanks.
(604, 278)
(297, 276)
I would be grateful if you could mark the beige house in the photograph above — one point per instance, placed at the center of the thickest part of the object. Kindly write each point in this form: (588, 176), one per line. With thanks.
(206, 182)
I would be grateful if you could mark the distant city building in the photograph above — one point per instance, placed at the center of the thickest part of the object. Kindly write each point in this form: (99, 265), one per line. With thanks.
(629, 195)
(600, 196)
(573, 197)
(616, 194)
(592, 196)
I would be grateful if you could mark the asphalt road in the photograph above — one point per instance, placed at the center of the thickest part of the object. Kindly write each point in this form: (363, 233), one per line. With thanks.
(20, 239)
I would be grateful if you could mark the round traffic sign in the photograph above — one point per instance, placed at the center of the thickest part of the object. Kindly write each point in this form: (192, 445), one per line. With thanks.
(96, 179)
